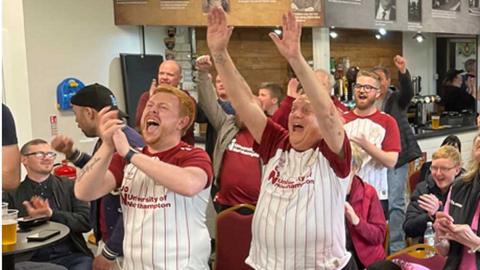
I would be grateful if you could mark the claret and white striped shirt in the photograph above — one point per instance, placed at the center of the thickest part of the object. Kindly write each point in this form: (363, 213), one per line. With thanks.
(381, 130)
(163, 229)
(299, 219)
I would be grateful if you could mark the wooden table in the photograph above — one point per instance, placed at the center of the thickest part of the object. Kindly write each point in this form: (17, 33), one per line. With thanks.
(23, 246)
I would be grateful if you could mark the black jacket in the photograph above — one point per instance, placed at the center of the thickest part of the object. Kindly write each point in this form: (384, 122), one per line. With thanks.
(396, 104)
(416, 218)
(467, 195)
(73, 213)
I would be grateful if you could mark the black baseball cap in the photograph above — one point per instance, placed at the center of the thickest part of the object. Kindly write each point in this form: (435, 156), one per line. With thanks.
(452, 74)
(96, 96)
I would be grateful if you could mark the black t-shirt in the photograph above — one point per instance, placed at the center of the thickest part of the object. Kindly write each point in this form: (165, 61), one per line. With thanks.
(9, 134)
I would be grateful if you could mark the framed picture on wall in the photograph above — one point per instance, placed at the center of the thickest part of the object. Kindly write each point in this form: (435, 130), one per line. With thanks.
(385, 10)
(448, 5)
(415, 11)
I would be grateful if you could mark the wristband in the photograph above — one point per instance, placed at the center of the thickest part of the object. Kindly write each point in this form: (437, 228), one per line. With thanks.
(129, 155)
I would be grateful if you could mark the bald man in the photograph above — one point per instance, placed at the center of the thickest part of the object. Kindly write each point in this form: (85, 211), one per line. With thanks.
(169, 73)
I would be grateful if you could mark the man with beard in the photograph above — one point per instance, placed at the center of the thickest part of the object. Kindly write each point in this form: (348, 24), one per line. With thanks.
(375, 132)
(299, 218)
(105, 212)
(164, 186)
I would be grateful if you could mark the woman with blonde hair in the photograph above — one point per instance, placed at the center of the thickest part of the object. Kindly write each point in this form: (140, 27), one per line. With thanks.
(430, 195)
(364, 217)
(457, 228)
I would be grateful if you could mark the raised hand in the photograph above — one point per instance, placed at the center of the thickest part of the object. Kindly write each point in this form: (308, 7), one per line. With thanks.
(292, 88)
(218, 32)
(62, 144)
(429, 203)
(289, 44)
(203, 63)
(37, 207)
(400, 63)
(108, 125)
(153, 86)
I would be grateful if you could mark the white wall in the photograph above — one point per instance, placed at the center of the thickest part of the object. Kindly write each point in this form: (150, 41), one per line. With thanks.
(65, 38)
(421, 60)
(15, 78)
(429, 145)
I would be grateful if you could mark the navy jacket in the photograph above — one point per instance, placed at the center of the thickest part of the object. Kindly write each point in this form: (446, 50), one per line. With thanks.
(111, 202)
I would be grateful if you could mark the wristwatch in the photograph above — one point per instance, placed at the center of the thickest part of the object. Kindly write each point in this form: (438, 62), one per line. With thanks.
(129, 155)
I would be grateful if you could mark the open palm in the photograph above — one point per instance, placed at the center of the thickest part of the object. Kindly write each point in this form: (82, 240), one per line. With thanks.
(289, 44)
(218, 32)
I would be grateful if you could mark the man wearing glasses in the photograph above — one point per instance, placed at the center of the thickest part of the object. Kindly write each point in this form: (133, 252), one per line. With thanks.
(375, 132)
(44, 194)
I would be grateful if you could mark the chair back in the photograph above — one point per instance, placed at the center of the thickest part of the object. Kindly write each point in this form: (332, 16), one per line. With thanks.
(419, 254)
(233, 236)
(413, 181)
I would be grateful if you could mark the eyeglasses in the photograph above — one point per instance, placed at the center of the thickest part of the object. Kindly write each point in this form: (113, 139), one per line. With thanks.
(42, 155)
(366, 87)
(441, 169)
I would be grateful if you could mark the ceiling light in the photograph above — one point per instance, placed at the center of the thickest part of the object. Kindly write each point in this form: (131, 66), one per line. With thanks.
(277, 31)
(419, 37)
(382, 31)
(333, 34)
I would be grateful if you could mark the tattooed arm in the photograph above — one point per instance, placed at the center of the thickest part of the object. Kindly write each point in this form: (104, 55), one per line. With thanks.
(95, 180)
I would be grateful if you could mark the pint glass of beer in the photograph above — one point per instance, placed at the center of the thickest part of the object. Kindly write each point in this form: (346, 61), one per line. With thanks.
(435, 121)
(9, 227)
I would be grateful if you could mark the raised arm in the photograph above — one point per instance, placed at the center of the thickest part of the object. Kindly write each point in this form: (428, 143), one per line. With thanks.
(406, 87)
(95, 180)
(316, 90)
(207, 99)
(239, 93)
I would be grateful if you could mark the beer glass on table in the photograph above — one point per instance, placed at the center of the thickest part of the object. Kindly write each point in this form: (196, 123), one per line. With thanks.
(9, 227)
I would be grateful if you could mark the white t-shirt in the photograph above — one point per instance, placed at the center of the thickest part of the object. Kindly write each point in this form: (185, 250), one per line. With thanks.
(299, 220)
(163, 229)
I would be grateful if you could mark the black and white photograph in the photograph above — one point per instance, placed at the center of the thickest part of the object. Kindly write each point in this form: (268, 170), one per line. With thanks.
(415, 11)
(385, 10)
(306, 5)
(474, 7)
(447, 5)
(207, 4)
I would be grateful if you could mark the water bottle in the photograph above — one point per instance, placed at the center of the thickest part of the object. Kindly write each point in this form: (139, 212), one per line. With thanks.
(429, 239)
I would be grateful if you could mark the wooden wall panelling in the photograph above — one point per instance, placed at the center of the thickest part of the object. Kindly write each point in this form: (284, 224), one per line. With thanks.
(255, 55)
(365, 51)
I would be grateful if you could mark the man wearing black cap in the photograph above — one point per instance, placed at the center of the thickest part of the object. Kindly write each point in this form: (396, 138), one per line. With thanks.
(105, 213)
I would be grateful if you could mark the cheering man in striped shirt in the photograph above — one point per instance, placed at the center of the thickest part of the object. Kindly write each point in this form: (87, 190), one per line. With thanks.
(299, 219)
(164, 188)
